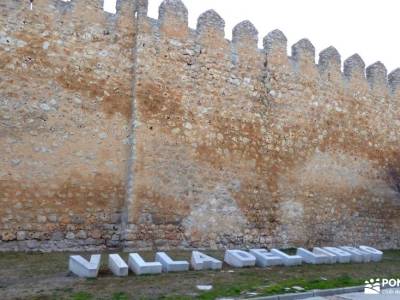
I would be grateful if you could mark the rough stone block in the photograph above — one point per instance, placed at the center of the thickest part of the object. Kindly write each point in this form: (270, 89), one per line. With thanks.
(265, 258)
(239, 258)
(312, 258)
(331, 258)
(117, 265)
(140, 267)
(169, 265)
(83, 268)
(341, 255)
(376, 255)
(288, 260)
(201, 261)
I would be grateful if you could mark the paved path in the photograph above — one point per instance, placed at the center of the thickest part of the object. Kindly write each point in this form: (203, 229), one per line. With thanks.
(389, 295)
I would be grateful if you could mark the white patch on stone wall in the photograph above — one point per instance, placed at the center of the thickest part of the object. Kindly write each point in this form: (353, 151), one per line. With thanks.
(110, 6)
(321, 178)
(291, 213)
(338, 170)
(342, 172)
(292, 209)
(214, 215)
(8, 42)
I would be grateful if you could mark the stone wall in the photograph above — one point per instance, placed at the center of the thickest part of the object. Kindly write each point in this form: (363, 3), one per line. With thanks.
(230, 145)
(65, 107)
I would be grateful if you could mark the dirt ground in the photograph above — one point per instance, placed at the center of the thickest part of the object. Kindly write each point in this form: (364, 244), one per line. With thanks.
(45, 276)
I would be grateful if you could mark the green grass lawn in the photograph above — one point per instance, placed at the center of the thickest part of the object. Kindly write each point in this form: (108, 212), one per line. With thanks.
(45, 276)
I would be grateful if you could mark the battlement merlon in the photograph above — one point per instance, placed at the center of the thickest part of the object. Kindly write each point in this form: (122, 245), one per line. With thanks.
(275, 46)
(173, 21)
(211, 23)
(394, 81)
(303, 52)
(141, 7)
(245, 35)
(173, 18)
(329, 64)
(377, 77)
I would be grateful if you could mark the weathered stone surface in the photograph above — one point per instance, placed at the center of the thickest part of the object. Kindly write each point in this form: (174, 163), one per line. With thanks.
(65, 108)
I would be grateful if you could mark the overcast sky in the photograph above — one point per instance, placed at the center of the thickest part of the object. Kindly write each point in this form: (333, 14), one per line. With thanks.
(367, 27)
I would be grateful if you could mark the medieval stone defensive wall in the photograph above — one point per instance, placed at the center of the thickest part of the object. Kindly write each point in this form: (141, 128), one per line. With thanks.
(119, 130)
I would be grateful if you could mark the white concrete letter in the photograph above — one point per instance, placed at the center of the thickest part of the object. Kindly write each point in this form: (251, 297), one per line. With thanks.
(357, 255)
(341, 255)
(140, 267)
(288, 260)
(376, 255)
(201, 261)
(239, 258)
(330, 257)
(169, 265)
(312, 258)
(110, 6)
(117, 265)
(83, 268)
(265, 258)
